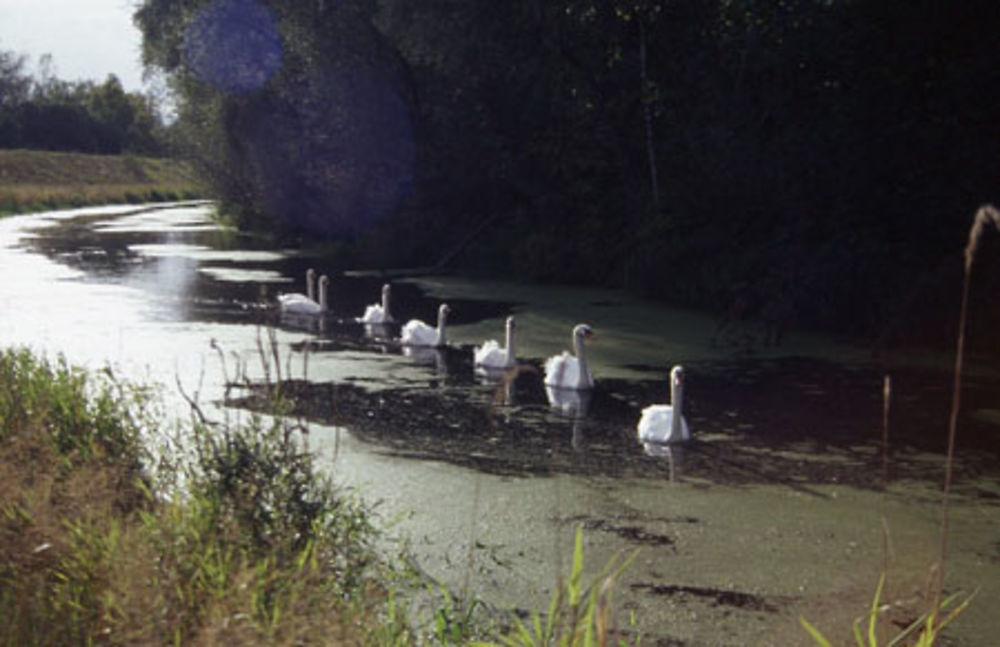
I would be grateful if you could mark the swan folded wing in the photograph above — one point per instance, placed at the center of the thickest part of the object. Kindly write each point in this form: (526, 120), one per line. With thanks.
(292, 297)
(301, 307)
(374, 314)
(655, 423)
(491, 354)
(562, 370)
(417, 333)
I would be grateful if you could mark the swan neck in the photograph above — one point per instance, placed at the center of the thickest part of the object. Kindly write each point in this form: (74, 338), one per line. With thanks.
(385, 305)
(581, 358)
(509, 343)
(440, 328)
(677, 402)
(322, 296)
(310, 287)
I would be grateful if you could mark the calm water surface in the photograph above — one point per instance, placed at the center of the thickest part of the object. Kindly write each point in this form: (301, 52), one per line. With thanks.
(776, 509)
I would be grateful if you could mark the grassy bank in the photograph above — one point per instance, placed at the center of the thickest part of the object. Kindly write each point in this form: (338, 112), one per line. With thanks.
(97, 546)
(99, 543)
(37, 180)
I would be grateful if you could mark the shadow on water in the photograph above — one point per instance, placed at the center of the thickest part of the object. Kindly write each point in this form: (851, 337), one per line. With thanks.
(795, 422)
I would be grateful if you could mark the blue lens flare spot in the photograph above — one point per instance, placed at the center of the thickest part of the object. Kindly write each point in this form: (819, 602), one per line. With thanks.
(333, 155)
(233, 45)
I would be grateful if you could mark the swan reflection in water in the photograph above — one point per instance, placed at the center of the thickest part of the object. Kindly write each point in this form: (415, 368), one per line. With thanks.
(671, 453)
(378, 331)
(427, 356)
(307, 322)
(573, 404)
(502, 379)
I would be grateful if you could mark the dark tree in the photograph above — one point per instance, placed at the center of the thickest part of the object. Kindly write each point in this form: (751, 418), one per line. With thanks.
(799, 162)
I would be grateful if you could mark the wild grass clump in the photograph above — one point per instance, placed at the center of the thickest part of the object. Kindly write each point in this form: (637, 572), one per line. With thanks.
(70, 468)
(922, 632)
(83, 416)
(260, 549)
(578, 615)
(253, 549)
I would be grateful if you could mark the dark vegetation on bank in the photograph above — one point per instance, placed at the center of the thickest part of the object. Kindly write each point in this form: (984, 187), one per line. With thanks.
(793, 163)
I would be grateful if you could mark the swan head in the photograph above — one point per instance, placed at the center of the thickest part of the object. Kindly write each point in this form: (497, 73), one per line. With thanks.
(510, 323)
(386, 290)
(310, 274)
(443, 311)
(582, 331)
(677, 375)
(324, 281)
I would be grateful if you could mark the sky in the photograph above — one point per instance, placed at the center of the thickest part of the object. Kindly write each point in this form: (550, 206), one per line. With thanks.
(88, 39)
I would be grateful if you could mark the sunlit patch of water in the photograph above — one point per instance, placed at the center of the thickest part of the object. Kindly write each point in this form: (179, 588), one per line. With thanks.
(240, 275)
(205, 254)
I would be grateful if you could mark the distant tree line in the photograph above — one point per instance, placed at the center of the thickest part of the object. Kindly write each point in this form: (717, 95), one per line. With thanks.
(793, 162)
(43, 112)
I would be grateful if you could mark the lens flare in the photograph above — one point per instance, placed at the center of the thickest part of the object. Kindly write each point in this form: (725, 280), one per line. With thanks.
(233, 45)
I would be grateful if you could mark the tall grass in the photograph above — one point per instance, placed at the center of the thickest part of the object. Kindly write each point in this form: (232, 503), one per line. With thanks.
(578, 615)
(70, 466)
(986, 215)
(254, 549)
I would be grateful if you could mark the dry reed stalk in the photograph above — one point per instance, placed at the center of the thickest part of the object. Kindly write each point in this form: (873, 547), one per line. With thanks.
(886, 397)
(984, 216)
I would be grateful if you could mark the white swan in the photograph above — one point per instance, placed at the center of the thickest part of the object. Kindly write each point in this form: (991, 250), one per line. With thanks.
(310, 294)
(567, 371)
(379, 313)
(665, 423)
(417, 333)
(490, 355)
(304, 305)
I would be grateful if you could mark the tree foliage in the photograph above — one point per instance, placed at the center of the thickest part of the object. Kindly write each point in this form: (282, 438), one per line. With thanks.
(298, 112)
(44, 112)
